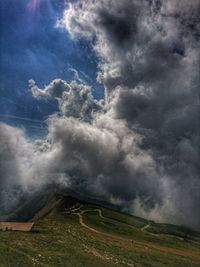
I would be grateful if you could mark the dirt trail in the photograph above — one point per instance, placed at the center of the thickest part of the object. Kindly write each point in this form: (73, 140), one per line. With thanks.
(145, 227)
(85, 225)
(183, 253)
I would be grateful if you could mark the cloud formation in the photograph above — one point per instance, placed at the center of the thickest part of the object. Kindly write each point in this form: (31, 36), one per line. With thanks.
(15, 160)
(149, 64)
(74, 99)
(140, 147)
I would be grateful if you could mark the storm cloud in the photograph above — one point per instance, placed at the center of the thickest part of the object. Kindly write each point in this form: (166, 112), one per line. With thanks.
(140, 147)
(149, 64)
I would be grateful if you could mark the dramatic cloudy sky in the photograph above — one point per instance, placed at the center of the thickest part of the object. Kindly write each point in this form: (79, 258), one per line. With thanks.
(103, 97)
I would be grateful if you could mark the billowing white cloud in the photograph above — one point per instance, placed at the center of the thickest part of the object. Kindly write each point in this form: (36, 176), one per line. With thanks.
(74, 99)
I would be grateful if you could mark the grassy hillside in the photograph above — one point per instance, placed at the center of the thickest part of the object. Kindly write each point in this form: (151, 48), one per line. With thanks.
(88, 235)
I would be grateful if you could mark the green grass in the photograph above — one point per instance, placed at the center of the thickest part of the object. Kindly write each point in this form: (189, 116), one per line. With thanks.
(125, 218)
(113, 226)
(58, 240)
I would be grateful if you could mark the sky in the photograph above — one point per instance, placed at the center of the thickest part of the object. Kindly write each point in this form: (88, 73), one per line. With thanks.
(102, 98)
(32, 47)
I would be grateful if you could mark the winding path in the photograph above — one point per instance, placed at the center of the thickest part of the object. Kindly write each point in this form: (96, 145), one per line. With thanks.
(145, 227)
(192, 255)
(85, 225)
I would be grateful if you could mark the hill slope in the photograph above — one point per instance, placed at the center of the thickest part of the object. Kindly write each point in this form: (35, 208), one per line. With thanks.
(73, 233)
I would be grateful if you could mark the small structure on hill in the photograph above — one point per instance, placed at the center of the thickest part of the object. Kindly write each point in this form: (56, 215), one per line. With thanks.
(16, 226)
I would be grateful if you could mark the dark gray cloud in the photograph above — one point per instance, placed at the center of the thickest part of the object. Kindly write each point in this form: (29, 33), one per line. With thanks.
(99, 158)
(139, 148)
(149, 57)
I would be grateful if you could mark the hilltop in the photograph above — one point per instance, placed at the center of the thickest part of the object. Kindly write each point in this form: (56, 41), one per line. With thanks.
(72, 232)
